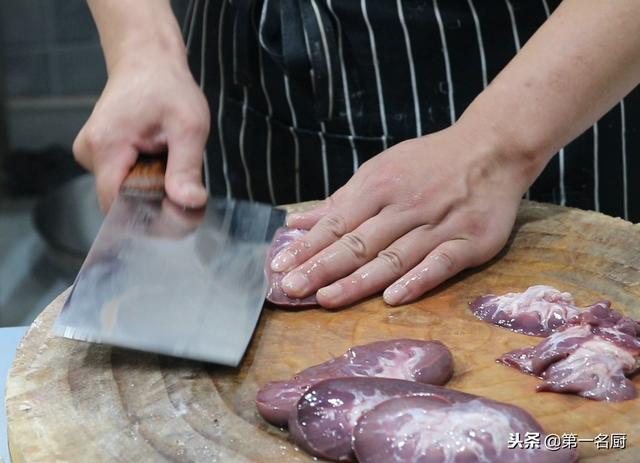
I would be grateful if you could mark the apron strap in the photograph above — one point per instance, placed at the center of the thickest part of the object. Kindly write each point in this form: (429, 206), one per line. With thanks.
(298, 35)
(243, 37)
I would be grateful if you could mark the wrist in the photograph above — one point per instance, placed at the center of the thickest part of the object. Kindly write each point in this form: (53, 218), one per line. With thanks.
(142, 30)
(139, 48)
(520, 155)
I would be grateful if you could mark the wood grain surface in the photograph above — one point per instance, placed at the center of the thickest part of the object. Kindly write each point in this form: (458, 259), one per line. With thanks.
(78, 402)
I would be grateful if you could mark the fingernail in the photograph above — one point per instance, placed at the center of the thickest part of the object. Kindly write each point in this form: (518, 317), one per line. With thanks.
(330, 292)
(395, 294)
(295, 284)
(283, 262)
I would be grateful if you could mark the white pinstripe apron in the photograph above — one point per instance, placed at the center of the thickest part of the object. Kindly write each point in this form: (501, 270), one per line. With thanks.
(304, 91)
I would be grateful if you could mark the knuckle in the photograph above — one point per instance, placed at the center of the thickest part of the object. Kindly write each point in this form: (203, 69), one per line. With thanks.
(355, 244)
(425, 228)
(335, 224)
(393, 258)
(446, 259)
(477, 226)
(93, 138)
(191, 125)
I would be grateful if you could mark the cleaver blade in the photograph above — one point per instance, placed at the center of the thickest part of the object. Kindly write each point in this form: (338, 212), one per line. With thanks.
(161, 278)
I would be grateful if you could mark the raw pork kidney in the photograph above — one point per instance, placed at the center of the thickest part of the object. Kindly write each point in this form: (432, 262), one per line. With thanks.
(433, 429)
(423, 361)
(538, 311)
(591, 355)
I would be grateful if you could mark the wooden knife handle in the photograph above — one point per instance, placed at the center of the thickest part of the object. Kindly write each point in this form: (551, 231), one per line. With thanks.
(146, 177)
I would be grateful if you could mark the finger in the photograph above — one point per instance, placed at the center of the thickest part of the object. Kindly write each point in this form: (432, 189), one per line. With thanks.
(338, 221)
(306, 220)
(81, 150)
(351, 251)
(108, 158)
(445, 261)
(111, 168)
(183, 179)
(389, 265)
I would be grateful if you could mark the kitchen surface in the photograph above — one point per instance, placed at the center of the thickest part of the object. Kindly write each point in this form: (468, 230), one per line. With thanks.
(185, 339)
(112, 401)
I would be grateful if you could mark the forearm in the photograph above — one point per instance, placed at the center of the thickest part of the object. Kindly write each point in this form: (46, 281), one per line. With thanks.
(582, 61)
(135, 27)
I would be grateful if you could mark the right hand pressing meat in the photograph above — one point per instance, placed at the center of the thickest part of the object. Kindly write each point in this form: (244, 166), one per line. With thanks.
(150, 103)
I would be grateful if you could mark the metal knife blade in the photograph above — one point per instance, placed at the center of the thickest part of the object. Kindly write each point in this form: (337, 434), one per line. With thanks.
(163, 279)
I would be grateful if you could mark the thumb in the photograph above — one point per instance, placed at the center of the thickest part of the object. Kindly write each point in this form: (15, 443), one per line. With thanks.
(183, 178)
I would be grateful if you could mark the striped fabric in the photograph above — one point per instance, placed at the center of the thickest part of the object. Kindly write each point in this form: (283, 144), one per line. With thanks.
(313, 88)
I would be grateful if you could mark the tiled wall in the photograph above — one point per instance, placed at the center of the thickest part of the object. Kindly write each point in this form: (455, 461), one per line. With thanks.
(51, 48)
(51, 73)
(54, 69)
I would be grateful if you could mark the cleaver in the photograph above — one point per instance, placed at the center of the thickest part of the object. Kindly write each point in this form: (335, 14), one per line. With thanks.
(161, 278)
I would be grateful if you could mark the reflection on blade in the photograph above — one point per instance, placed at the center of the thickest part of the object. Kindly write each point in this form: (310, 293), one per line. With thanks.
(183, 283)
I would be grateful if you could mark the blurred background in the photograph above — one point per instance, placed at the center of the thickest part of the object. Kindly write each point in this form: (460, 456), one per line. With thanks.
(51, 74)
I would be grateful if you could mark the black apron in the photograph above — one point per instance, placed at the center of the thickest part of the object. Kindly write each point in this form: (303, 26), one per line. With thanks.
(304, 91)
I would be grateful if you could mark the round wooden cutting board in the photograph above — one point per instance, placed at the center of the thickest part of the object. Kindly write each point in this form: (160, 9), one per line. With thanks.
(78, 402)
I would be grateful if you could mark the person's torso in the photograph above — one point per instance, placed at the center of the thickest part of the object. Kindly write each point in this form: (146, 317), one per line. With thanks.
(313, 88)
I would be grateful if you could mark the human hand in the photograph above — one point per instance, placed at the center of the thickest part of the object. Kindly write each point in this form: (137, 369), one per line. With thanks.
(409, 219)
(150, 104)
